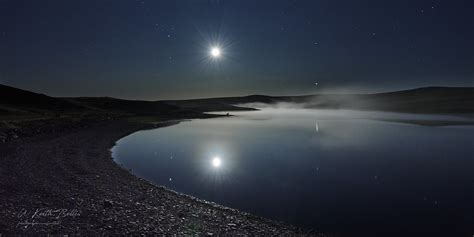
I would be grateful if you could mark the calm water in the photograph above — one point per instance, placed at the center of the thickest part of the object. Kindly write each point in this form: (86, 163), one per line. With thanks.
(337, 171)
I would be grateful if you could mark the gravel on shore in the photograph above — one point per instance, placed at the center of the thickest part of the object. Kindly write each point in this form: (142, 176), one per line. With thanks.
(67, 183)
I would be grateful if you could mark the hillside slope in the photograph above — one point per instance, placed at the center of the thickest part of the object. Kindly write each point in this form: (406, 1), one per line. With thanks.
(17, 101)
(436, 100)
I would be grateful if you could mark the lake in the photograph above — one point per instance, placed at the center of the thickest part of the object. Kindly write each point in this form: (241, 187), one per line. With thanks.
(340, 172)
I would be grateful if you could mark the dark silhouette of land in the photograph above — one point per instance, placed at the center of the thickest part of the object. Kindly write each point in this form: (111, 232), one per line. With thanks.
(57, 175)
(55, 155)
(431, 100)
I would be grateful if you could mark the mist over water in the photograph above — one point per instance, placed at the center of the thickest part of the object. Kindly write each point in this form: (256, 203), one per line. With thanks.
(339, 171)
(294, 110)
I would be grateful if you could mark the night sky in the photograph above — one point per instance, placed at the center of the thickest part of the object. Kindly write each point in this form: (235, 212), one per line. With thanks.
(160, 49)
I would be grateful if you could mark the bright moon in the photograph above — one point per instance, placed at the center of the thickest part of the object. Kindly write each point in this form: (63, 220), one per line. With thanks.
(215, 52)
(216, 162)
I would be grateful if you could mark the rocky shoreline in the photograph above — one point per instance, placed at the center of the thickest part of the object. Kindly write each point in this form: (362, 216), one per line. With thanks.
(65, 182)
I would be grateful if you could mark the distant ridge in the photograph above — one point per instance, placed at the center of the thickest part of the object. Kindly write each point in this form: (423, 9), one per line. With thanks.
(16, 101)
(427, 100)
(22, 101)
(435, 100)
(138, 107)
(445, 100)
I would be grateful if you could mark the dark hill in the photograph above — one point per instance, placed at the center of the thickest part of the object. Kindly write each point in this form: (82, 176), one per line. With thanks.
(17, 101)
(444, 100)
(218, 104)
(437, 100)
(137, 107)
(426, 100)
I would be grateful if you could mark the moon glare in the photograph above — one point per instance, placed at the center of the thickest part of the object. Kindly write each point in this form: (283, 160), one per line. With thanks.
(215, 52)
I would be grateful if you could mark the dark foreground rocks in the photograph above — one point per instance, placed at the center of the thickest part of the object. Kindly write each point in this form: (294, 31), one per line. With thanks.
(67, 183)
